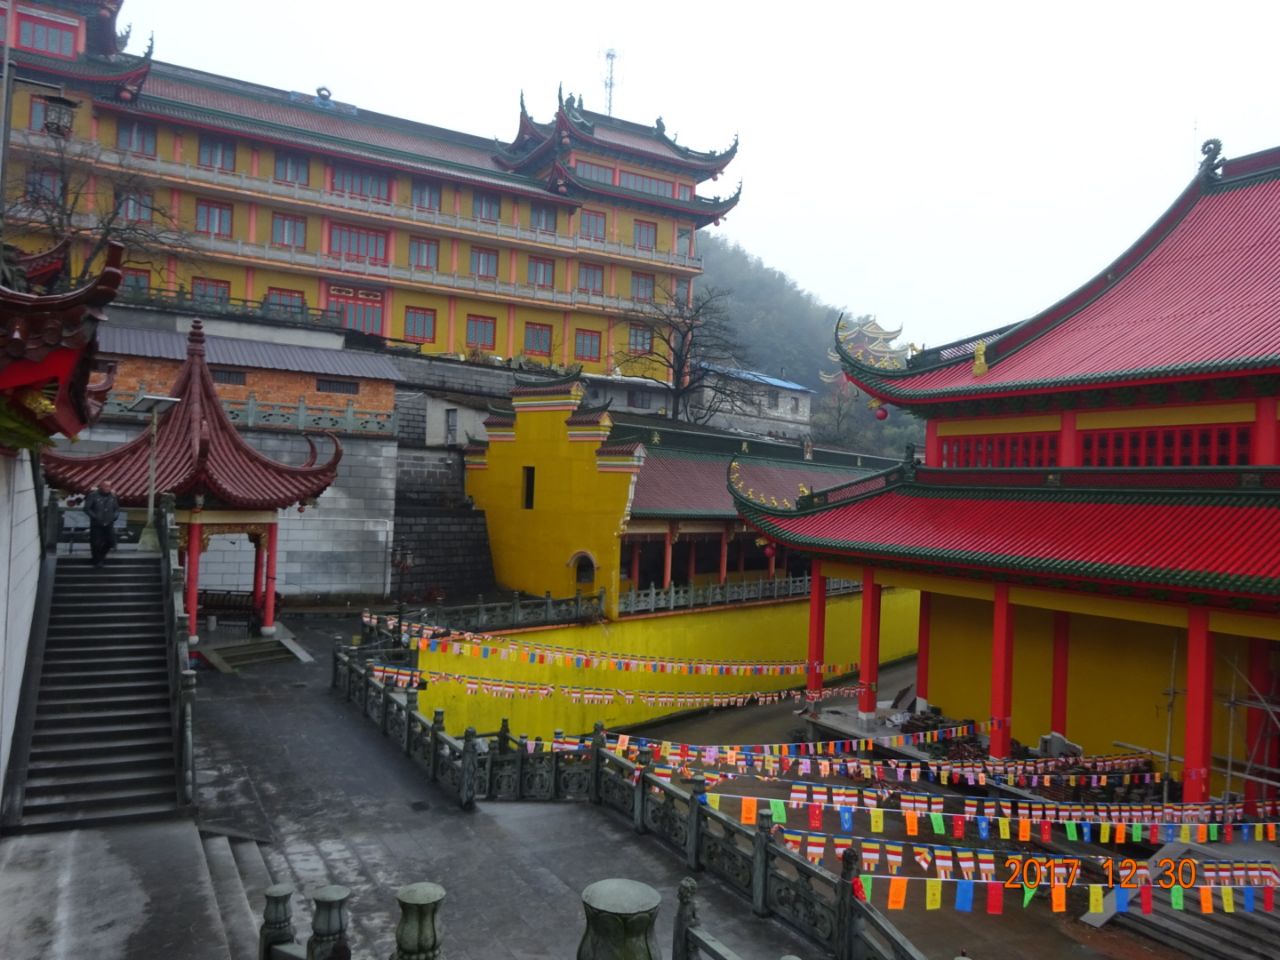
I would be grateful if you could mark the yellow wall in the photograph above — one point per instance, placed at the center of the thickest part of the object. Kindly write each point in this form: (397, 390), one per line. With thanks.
(775, 631)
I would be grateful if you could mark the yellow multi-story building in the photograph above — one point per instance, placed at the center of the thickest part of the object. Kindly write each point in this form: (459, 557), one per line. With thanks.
(296, 205)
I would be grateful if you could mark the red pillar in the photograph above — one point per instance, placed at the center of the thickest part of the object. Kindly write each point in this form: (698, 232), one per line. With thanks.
(724, 556)
(1001, 673)
(932, 444)
(257, 572)
(922, 647)
(1257, 721)
(194, 533)
(1061, 663)
(773, 562)
(869, 659)
(666, 559)
(1198, 741)
(1266, 433)
(635, 564)
(269, 601)
(1068, 443)
(693, 560)
(817, 631)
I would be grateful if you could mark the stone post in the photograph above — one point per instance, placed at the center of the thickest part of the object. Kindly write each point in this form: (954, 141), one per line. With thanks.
(686, 920)
(620, 921)
(504, 735)
(277, 919)
(433, 742)
(761, 842)
(522, 753)
(641, 789)
(470, 773)
(851, 943)
(329, 921)
(416, 934)
(598, 745)
(410, 708)
(693, 829)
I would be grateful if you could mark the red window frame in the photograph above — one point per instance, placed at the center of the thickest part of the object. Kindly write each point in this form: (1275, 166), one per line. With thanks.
(482, 332)
(210, 290)
(423, 318)
(593, 225)
(424, 253)
(357, 244)
(543, 218)
(590, 278)
(542, 273)
(136, 206)
(595, 172)
(480, 258)
(1038, 449)
(141, 138)
(216, 153)
(642, 287)
(486, 206)
(645, 234)
(296, 168)
(429, 190)
(539, 344)
(285, 299)
(291, 232)
(358, 308)
(1190, 445)
(639, 339)
(586, 344)
(135, 278)
(214, 210)
(40, 27)
(354, 181)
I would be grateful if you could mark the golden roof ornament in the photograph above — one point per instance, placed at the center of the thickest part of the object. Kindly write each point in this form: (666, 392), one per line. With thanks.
(980, 358)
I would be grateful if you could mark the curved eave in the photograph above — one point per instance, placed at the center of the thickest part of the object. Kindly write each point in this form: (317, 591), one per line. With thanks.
(88, 70)
(701, 210)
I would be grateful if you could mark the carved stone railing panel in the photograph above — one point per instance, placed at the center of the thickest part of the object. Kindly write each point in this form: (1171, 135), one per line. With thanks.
(795, 900)
(538, 778)
(573, 776)
(504, 776)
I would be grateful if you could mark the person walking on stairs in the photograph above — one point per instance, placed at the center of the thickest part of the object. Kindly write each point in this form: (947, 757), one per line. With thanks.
(102, 508)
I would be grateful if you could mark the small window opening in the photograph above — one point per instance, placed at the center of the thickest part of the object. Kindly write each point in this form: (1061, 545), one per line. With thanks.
(528, 488)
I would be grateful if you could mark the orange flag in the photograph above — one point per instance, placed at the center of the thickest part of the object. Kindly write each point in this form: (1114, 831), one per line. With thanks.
(748, 809)
(897, 893)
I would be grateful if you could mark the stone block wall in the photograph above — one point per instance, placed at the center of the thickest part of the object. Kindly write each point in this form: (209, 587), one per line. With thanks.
(432, 477)
(450, 554)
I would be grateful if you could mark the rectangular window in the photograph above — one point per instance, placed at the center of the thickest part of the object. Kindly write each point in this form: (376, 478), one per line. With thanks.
(420, 324)
(451, 425)
(1220, 445)
(686, 192)
(288, 230)
(643, 184)
(591, 225)
(682, 290)
(537, 339)
(213, 218)
(426, 195)
(586, 345)
(135, 280)
(484, 263)
(684, 241)
(46, 36)
(357, 308)
(642, 287)
(771, 399)
(135, 206)
(325, 385)
(486, 206)
(593, 171)
(285, 301)
(357, 243)
(218, 153)
(639, 399)
(359, 182)
(542, 273)
(44, 186)
(134, 136)
(292, 168)
(639, 339)
(542, 217)
(795, 406)
(38, 114)
(590, 278)
(481, 332)
(645, 234)
(206, 290)
(527, 487)
(424, 254)
(1001, 450)
(232, 378)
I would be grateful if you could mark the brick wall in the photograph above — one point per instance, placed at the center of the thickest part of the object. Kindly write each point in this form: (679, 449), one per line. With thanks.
(450, 554)
(429, 478)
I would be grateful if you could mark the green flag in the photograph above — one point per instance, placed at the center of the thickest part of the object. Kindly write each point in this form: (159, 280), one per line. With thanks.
(1072, 834)
(866, 885)
(1213, 831)
(1175, 897)
(939, 827)
(1027, 894)
(779, 811)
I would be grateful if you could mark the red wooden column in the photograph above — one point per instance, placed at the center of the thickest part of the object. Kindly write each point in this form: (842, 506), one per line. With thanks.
(257, 571)
(1001, 672)
(1068, 442)
(922, 650)
(724, 556)
(817, 631)
(1257, 721)
(195, 531)
(1198, 741)
(869, 657)
(1061, 663)
(269, 601)
(635, 564)
(932, 444)
(666, 558)
(1266, 433)
(773, 562)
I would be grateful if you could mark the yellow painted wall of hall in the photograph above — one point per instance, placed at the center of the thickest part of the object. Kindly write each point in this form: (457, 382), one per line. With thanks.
(1117, 680)
(766, 631)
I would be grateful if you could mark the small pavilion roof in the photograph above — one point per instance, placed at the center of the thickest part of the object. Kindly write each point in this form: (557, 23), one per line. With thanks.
(1196, 297)
(198, 451)
(1163, 533)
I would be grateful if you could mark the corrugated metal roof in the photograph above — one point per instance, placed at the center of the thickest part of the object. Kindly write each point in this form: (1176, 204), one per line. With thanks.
(258, 354)
(756, 377)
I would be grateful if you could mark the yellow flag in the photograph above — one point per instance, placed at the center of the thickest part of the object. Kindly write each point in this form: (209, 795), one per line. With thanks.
(713, 801)
(932, 894)
(1228, 899)
(1004, 828)
(1104, 832)
(877, 820)
(1095, 898)
(1184, 835)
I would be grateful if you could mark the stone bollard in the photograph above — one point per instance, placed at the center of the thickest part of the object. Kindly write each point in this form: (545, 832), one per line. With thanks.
(686, 920)
(469, 773)
(598, 744)
(277, 919)
(693, 829)
(620, 921)
(641, 790)
(416, 934)
(329, 921)
(433, 742)
(761, 842)
(410, 708)
(504, 736)
(851, 919)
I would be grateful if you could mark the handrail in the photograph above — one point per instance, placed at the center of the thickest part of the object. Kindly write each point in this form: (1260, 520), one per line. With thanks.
(654, 599)
(181, 678)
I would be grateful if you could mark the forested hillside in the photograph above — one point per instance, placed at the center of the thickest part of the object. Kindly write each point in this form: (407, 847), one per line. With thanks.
(787, 333)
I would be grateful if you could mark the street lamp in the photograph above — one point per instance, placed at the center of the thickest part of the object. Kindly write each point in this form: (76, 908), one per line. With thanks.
(154, 405)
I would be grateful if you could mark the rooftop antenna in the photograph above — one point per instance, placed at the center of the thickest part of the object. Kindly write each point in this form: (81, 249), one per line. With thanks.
(610, 56)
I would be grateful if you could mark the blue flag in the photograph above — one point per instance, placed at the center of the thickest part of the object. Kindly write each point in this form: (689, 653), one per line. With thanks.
(964, 895)
(984, 827)
(846, 819)
(1248, 899)
(1122, 899)
(1086, 830)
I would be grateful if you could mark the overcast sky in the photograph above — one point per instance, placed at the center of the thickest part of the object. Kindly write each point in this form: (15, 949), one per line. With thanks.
(948, 167)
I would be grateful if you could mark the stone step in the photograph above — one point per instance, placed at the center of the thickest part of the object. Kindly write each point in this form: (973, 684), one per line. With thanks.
(85, 749)
(71, 782)
(102, 678)
(233, 903)
(99, 731)
(72, 651)
(110, 715)
(138, 759)
(98, 800)
(79, 636)
(96, 816)
(50, 705)
(253, 874)
(132, 612)
(61, 692)
(149, 661)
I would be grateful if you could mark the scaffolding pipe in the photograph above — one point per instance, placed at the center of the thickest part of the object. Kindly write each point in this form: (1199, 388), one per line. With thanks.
(1177, 759)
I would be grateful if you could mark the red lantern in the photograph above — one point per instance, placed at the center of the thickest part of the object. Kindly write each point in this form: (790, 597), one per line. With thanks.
(770, 550)
(882, 413)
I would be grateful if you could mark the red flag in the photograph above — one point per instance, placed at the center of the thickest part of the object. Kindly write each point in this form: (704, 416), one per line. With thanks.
(1144, 896)
(995, 897)
(1046, 831)
(815, 816)
(1268, 898)
(957, 826)
(859, 893)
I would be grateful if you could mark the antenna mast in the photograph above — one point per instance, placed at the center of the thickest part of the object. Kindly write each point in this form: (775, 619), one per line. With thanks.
(610, 55)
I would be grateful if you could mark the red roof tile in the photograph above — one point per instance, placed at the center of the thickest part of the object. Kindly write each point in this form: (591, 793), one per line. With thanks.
(198, 451)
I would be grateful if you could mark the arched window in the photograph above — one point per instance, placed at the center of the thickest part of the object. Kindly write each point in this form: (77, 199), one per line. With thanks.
(584, 569)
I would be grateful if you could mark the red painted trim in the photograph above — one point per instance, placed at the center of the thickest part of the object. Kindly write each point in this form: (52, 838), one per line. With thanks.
(1198, 741)
(511, 330)
(259, 567)
(1266, 443)
(194, 533)
(250, 275)
(253, 223)
(1068, 446)
(922, 644)
(635, 564)
(1061, 667)
(817, 630)
(724, 556)
(932, 446)
(269, 601)
(453, 323)
(666, 558)
(1001, 673)
(869, 658)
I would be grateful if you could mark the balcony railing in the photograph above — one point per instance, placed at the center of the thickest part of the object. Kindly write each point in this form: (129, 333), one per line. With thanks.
(253, 413)
(231, 307)
(244, 184)
(655, 600)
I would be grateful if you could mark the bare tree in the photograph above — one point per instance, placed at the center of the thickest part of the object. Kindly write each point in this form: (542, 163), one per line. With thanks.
(62, 191)
(691, 350)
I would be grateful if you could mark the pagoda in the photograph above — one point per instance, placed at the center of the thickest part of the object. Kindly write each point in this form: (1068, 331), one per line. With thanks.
(222, 485)
(1094, 528)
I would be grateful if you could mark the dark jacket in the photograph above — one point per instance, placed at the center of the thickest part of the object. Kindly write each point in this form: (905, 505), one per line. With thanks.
(102, 508)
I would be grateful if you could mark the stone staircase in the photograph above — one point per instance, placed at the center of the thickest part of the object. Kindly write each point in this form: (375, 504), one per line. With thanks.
(102, 746)
(240, 876)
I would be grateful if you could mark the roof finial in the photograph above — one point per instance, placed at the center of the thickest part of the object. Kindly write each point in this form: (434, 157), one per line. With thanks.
(523, 111)
(980, 358)
(1212, 162)
(195, 339)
